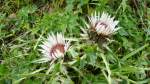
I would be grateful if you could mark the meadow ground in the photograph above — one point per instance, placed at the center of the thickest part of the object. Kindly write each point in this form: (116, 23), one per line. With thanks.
(25, 23)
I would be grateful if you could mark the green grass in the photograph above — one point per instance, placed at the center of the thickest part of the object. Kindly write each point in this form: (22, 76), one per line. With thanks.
(24, 24)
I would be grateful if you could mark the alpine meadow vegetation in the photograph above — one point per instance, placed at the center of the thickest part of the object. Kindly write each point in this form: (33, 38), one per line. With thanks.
(74, 41)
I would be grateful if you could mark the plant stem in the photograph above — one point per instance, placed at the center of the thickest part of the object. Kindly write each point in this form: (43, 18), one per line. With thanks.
(107, 68)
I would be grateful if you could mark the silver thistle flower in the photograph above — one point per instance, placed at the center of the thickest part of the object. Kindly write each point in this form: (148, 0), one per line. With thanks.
(54, 47)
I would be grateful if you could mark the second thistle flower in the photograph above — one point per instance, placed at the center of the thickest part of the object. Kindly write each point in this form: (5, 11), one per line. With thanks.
(101, 27)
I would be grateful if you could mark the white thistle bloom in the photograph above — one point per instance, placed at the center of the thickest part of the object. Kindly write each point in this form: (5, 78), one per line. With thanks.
(104, 25)
(54, 47)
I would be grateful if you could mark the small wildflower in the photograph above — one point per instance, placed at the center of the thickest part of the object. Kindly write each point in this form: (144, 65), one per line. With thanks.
(104, 25)
(54, 47)
(100, 27)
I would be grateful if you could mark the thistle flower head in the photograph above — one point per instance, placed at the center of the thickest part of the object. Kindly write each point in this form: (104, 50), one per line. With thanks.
(54, 47)
(104, 24)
